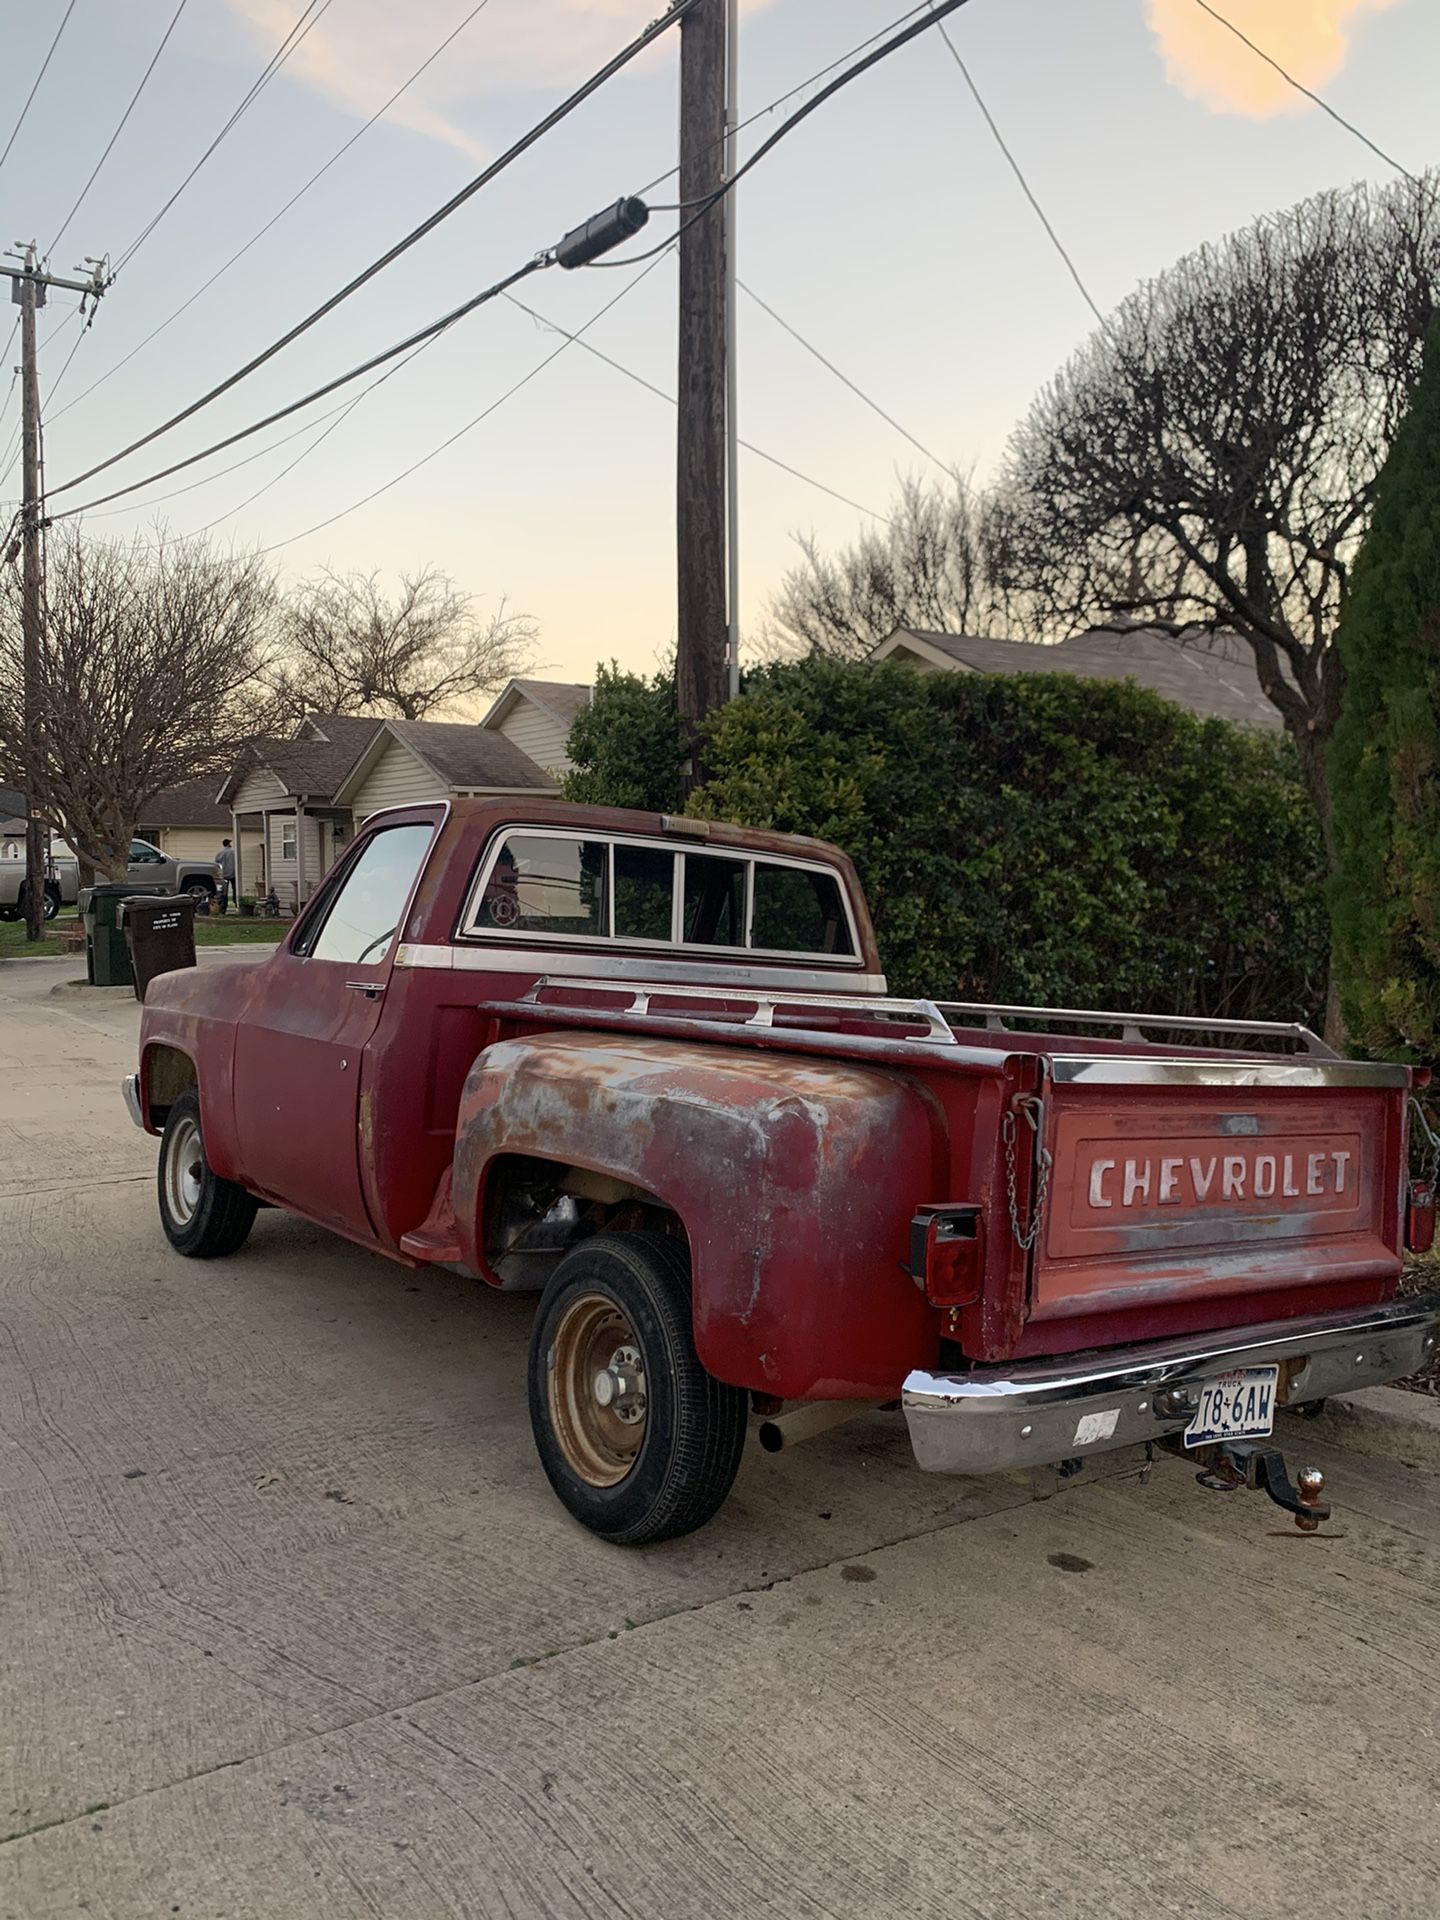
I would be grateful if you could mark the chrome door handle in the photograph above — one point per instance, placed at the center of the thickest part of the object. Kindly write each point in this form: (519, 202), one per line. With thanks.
(370, 988)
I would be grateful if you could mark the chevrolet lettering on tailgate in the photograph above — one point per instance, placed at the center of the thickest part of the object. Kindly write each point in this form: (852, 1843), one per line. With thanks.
(1309, 1171)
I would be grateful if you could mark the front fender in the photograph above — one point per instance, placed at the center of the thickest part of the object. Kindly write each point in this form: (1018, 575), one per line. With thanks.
(795, 1179)
(194, 1010)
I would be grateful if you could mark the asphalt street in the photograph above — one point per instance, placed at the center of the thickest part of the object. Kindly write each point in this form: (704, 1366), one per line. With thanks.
(292, 1626)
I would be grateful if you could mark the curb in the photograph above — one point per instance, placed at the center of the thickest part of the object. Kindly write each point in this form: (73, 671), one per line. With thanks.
(1383, 1420)
(82, 990)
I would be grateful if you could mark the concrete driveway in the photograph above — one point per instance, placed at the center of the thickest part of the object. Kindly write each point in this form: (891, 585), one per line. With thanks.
(292, 1626)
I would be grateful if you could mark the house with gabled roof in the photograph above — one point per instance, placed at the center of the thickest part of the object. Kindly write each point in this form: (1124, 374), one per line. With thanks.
(284, 792)
(1211, 674)
(537, 716)
(409, 762)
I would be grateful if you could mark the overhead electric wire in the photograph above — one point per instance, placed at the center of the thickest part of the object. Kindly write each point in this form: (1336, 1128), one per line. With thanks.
(314, 13)
(460, 432)
(260, 232)
(1300, 87)
(121, 126)
(845, 380)
(938, 10)
(660, 393)
(527, 140)
(422, 334)
(44, 64)
(1025, 186)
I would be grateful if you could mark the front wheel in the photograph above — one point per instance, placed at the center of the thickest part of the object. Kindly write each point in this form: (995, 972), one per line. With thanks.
(636, 1438)
(204, 1217)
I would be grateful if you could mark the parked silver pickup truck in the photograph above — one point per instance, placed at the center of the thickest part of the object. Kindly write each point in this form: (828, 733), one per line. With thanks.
(148, 867)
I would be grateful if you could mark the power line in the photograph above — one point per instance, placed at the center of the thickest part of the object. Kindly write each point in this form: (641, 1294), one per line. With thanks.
(1025, 186)
(1324, 105)
(313, 14)
(845, 380)
(121, 127)
(260, 232)
(34, 89)
(421, 335)
(660, 394)
(460, 432)
(527, 140)
(939, 10)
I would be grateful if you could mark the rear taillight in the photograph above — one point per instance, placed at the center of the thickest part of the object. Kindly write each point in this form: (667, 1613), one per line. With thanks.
(947, 1251)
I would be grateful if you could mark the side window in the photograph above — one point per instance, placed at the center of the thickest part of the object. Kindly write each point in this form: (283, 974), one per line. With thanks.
(540, 884)
(141, 855)
(364, 914)
(644, 891)
(798, 912)
(714, 901)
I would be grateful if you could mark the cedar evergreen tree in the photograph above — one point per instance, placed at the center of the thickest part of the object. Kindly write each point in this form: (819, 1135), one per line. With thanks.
(1385, 758)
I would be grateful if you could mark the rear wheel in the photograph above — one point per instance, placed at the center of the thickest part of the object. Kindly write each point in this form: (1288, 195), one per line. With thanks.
(49, 906)
(636, 1438)
(204, 1217)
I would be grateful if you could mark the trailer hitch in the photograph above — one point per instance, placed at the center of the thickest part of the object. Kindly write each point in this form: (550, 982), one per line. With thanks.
(1245, 1463)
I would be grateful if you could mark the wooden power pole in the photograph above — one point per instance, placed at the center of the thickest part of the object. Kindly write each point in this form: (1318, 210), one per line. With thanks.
(701, 675)
(28, 285)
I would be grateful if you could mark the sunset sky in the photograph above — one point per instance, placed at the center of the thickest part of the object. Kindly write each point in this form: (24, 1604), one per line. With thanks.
(888, 230)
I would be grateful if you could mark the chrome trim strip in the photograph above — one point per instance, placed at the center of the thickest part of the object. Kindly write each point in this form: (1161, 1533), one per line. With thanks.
(1046, 1410)
(919, 1013)
(130, 1087)
(606, 968)
(1121, 1070)
(996, 1014)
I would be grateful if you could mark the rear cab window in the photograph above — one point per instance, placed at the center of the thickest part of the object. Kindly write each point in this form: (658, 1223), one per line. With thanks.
(554, 885)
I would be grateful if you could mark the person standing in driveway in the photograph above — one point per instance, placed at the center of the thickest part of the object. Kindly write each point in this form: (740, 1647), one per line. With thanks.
(225, 867)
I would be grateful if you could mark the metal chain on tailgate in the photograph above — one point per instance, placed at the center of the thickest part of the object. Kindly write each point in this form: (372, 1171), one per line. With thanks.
(1431, 1168)
(1034, 1111)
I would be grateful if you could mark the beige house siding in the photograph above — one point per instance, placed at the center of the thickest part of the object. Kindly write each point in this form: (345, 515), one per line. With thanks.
(396, 780)
(537, 733)
(260, 788)
(201, 843)
(321, 849)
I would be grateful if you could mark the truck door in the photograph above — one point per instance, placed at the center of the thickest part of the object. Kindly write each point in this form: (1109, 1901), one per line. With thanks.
(298, 1050)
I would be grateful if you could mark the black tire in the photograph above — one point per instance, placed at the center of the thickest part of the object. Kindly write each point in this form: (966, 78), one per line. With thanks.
(198, 889)
(49, 907)
(673, 1476)
(204, 1217)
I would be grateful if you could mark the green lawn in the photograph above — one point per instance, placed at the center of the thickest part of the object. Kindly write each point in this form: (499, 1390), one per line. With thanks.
(213, 930)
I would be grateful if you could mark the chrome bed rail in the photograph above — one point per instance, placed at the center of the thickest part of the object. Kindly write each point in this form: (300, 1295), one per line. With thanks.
(998, 1017)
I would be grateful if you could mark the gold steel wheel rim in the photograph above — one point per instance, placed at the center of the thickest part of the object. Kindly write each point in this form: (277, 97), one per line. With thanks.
(598, 1407)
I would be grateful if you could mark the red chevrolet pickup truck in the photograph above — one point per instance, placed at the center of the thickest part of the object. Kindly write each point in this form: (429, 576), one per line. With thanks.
(649, 1068)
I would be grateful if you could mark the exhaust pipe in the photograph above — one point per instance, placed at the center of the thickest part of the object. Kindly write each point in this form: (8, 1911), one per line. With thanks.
(803, 1422)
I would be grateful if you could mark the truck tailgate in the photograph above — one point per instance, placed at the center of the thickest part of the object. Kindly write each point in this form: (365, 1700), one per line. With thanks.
(1176, 1182)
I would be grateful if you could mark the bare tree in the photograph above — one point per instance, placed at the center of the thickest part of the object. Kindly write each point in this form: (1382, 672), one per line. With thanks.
(351, 648)
(1209, 457)
(927, 568)
(153, 658)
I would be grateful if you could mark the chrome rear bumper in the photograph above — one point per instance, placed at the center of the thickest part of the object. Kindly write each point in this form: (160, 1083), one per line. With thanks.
(1046, 1410)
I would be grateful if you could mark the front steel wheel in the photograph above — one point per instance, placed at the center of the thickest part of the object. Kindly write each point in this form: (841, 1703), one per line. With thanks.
(204, 1217)
(637, 1439)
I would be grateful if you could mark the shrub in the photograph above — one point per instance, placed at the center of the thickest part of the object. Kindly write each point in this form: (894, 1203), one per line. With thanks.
(1028, 838)
(1385, 753)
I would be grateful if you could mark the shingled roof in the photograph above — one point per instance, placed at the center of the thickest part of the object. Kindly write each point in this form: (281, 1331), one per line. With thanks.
(313, 763)
(1213, 675)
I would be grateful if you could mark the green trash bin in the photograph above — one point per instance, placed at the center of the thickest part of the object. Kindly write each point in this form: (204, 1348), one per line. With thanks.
(107, 958)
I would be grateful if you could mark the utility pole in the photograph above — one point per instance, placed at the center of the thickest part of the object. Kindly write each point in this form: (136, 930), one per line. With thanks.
(28, 287)
(701, 678)
(732, 405)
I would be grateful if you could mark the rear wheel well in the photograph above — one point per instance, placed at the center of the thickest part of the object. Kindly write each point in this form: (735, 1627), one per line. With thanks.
(167, 1074)
(533, 1211)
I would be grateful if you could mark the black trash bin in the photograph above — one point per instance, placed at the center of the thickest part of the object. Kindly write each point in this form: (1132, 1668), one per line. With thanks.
(107, 961)
(159, 933)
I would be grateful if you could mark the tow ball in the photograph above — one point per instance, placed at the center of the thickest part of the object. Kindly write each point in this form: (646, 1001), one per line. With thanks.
(1245, 1463)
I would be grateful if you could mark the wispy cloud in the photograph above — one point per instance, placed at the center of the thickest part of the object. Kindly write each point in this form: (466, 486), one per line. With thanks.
(1307, 37)
(363, 49)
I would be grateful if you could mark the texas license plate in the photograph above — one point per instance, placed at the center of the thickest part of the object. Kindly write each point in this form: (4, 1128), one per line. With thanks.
(1234, 1406)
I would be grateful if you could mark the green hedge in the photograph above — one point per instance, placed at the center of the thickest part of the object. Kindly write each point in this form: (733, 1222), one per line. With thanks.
(1027, 838)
